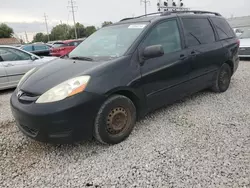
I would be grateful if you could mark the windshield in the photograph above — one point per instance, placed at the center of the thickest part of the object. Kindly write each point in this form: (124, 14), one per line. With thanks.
(245, 35)
(112, 41)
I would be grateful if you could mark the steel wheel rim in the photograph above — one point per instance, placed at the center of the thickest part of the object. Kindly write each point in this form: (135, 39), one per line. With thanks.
(118, 120)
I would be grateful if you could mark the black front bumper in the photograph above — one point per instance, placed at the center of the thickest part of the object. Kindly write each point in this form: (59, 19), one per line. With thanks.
(66, 121)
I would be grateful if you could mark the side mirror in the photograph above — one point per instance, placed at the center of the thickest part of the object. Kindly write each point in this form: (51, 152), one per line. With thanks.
(33, 58)
(153, 51)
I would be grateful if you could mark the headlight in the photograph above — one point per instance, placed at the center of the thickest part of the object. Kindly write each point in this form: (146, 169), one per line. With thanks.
(66, 89)
(25, 76)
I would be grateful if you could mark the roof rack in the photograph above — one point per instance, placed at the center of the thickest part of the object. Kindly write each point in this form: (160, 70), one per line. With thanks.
(191, 11)
(165, 13)
(145, 15)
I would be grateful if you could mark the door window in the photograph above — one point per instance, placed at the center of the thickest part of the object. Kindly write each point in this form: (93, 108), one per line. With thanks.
(28, 48)
(166, 34)
(9, 54)
(40, 47)
(198, 31)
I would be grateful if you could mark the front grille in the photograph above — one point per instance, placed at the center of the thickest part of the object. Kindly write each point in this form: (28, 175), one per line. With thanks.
(244, 51)
(31, 131)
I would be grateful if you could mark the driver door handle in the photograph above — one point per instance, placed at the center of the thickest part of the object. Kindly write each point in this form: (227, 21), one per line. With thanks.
(193, 53)
(183, 57)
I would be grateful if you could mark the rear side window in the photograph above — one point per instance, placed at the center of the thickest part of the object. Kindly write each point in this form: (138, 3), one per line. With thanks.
(198, 31)
(223, 28)
(40, 47)
(74, 43)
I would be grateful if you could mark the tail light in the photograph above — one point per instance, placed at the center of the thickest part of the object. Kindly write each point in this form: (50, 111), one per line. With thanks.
(238, 42)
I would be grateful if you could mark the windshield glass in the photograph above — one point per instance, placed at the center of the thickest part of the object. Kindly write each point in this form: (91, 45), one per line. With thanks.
(112, 41)
(245, 35)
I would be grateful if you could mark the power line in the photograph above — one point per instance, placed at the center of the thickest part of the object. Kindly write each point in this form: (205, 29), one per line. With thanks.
(72, 7)
(145, 4)
(46, 23)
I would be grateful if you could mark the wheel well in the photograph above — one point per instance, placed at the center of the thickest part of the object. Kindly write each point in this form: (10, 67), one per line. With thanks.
(230, 63)
(132, 97)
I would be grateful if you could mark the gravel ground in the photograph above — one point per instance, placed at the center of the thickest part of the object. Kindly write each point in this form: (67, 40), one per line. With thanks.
(202, 141)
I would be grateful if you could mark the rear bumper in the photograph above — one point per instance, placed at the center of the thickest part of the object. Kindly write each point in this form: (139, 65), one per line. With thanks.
(66, 121)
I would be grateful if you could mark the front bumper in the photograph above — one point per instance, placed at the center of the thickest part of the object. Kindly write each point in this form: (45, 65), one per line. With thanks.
(66, 121)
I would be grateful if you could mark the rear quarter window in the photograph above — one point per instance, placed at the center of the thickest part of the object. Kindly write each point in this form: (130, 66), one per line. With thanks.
(198, 31)
(223, 28)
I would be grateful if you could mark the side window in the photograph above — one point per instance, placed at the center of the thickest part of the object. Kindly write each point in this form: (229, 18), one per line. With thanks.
(40, 47)
(9, 54)
(223, 28)
(167, 34)
(28, 48)
(75, 43)
(198, 31)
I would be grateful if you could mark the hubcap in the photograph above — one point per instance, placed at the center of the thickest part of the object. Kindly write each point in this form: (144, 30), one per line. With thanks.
(117, 120)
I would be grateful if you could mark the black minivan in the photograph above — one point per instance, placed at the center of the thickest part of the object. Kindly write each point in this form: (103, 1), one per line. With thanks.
(122, 72)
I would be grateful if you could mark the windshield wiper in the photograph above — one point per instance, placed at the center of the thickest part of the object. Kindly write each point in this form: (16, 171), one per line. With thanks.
(82, 58)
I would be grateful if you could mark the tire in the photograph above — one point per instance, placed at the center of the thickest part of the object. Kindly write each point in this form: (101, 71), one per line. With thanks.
(115, 120)
(223, 79)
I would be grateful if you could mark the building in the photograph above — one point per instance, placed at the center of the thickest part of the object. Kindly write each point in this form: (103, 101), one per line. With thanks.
(10, 41)
(240, 22)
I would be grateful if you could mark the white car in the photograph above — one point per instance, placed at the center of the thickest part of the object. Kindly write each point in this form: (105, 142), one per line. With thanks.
(14, 63)
(244, 50)
(238, 32)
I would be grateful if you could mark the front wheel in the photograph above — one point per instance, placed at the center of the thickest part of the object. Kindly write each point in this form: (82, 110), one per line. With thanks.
(223, 79)
(115, 120)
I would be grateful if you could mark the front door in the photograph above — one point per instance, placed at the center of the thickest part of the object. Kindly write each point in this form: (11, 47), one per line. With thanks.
(16, 64)
(3, 75)
(165, 78)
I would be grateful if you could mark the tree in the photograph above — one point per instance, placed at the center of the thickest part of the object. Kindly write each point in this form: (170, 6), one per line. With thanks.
(61, 32)
(39, 37)
(106, 23)
(5, 31)
(79, 29)
(89, 30)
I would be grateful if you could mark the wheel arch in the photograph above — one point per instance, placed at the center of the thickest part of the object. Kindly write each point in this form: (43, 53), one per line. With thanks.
(231, 64)
(137, 99)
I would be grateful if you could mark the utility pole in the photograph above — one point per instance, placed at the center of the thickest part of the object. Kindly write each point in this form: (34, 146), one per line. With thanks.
(46, 23)
(72, 7)
(26, 36)
(145, 4)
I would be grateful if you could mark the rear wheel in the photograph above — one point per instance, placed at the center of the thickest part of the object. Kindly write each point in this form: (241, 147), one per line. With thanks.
(115, 120)
(223, 79)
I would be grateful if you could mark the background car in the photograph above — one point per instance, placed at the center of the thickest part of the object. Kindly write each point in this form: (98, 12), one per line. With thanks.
(65, 47)
(244, 50)
(238, 31)
(38, 49)
(14, 63)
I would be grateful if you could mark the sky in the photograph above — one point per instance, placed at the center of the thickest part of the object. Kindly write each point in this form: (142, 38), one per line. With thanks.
(27, 15)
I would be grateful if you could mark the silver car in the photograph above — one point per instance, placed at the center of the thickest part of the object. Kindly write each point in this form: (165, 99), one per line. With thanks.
(14, 63)
(244, 50)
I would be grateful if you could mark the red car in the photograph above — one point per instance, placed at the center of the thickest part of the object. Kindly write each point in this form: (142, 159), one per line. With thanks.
(65, 47)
